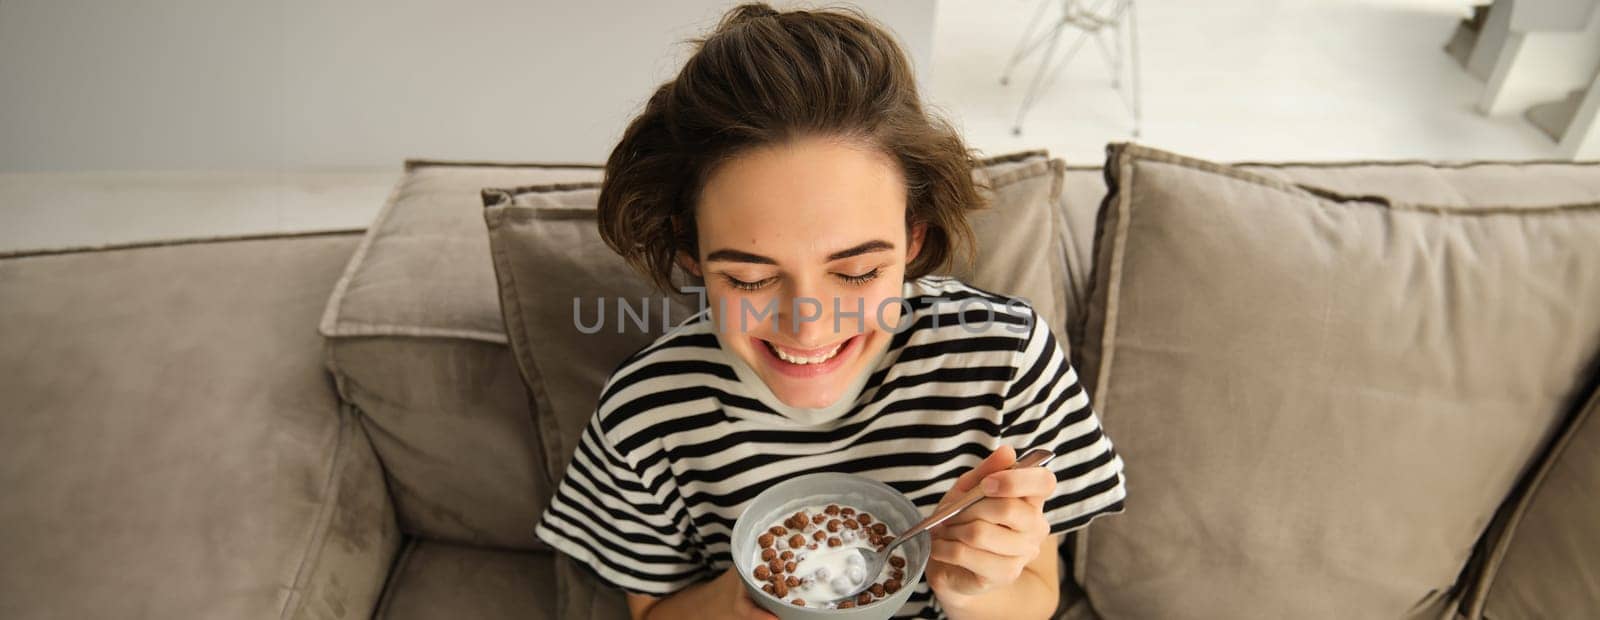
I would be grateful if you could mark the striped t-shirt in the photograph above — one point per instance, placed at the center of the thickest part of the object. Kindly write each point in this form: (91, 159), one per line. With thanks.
(685, 435)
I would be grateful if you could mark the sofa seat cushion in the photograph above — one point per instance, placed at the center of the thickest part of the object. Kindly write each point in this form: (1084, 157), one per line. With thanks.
(1321, 400)
(415, 340)
(444, 580)
(1548, 566)
(173, 447)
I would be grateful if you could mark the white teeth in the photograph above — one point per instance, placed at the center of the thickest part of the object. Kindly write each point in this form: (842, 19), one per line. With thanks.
(795, 359)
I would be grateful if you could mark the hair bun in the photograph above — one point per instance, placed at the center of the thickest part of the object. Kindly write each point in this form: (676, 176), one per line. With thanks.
(746, 12)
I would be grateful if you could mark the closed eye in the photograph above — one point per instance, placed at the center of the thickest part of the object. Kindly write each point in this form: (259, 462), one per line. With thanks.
(862, 278)
(747, 286)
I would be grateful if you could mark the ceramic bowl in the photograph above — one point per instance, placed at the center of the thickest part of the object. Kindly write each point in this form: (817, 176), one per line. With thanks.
(785, 498)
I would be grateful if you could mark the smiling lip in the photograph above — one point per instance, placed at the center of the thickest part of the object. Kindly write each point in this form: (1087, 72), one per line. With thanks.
(846, 351)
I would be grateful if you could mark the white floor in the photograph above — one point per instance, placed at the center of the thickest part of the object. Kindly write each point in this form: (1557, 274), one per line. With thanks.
(1236, 80)
(1228, 80)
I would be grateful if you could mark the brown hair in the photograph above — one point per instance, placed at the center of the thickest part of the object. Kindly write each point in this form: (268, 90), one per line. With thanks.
(765, 77)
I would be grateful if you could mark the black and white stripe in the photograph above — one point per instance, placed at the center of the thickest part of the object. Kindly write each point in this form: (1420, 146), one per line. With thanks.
(678, 445)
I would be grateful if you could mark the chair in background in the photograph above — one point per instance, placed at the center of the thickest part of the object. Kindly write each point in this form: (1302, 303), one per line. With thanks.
(1105, 19)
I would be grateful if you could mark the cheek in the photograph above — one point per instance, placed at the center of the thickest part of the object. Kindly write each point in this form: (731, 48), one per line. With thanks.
(884, 294)
(729, 305)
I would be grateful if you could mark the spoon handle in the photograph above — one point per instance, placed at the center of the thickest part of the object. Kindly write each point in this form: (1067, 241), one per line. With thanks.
(1031, 459)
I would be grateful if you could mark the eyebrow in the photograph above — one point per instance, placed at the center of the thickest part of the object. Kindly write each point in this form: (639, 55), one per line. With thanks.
(737, 256)
(875, 245)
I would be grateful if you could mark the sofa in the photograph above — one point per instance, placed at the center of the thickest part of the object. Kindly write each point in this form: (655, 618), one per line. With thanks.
(367, 423)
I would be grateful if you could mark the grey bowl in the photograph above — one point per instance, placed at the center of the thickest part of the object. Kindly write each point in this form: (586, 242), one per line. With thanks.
(784, 498)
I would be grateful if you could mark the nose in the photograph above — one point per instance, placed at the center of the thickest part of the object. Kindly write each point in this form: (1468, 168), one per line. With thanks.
(805, 312)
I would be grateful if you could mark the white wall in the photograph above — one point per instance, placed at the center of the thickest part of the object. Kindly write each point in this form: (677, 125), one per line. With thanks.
(313, 84)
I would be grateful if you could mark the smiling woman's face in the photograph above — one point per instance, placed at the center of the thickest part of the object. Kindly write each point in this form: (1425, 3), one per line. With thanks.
(818, 220)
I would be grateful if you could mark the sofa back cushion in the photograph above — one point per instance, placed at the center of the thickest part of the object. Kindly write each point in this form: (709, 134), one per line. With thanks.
(563, 291)
(1445, 184)
(573, 309)
(1321, 398)
(414, 339)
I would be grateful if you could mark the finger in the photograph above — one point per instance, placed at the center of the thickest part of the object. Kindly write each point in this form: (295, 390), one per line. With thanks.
(751, 611)
(743, 605)
(1008, 512)
(757, 613)
(996, 539)
(1034, 484)
(996, 461)
(991, 566)
(944, 577)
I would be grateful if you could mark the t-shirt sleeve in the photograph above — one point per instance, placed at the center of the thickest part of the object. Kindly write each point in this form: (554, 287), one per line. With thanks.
(1046, 407)
(630, 528)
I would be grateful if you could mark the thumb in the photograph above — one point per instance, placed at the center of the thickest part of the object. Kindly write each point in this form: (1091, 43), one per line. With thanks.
(997, 461)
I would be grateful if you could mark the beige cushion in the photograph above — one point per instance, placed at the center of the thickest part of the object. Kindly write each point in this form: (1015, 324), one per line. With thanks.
(1081, 192)
(1019, 250)
(1459, 184)
(441, 580)
(582, 595)
(1549, 566)
(170, 445)
(548, 254)
(1320, 400)
(555, 272)
(415, 339)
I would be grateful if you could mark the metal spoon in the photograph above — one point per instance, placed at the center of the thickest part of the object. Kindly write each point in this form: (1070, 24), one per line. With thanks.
(875, 559)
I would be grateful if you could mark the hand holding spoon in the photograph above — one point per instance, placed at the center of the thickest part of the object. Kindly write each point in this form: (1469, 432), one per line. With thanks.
(875, 559)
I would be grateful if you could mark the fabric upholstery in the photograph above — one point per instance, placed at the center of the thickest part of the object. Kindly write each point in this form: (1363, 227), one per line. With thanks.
(1482, 183)
(1073, 603)
(1075, 208)
(1453, 184)
(353, 538)
(1321, 399)
(1549, 564)
(555, 273)
(1018, 247)
(443, 580)
(548, 256)
(415, 340)
(174, 447)
(1448, 184)
(583, 596)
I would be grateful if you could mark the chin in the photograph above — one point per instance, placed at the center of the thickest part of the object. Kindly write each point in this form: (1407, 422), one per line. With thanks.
(808, 399)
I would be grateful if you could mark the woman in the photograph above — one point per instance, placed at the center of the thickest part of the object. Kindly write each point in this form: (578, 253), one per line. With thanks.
(791, 169)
